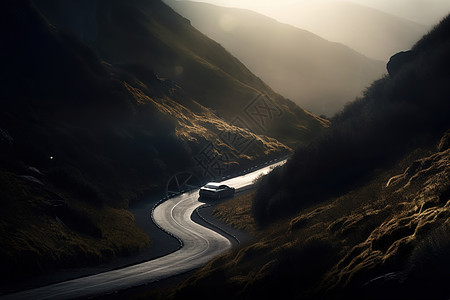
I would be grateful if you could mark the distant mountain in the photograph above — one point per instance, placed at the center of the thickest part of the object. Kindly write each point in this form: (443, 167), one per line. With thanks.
(374, 33)
(151, 34)
(318, 75)
(424, 12)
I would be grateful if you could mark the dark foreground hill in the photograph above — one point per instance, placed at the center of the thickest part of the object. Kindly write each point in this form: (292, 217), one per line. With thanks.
(364, 212)
(81, 137)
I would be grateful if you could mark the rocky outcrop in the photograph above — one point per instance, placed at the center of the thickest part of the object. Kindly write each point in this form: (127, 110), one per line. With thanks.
(397, 61)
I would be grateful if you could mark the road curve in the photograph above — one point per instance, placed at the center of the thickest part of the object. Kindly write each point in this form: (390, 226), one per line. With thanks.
(200, 245)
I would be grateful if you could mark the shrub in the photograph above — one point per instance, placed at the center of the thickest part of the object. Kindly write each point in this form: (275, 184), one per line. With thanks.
(430, 265)
(297, 271)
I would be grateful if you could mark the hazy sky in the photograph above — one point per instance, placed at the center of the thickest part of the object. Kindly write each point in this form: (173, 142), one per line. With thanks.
(427, 12)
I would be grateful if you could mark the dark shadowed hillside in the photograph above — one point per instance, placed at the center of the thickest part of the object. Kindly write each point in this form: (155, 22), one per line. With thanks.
(318, 75)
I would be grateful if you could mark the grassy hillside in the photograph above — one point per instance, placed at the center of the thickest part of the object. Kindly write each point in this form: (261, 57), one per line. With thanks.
(81, 138)
(318, 75)
(151, 34)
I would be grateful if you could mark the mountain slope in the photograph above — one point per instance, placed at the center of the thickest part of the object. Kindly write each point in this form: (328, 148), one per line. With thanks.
(371, 32)
(318, 75)
(153, 35)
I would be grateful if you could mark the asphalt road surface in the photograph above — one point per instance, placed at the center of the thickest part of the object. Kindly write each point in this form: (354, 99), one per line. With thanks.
(199, 245)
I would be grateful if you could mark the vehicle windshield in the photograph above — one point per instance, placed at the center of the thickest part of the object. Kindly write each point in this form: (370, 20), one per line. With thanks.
(211, 186)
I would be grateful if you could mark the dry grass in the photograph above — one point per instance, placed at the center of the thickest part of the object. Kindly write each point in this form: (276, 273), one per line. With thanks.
(237, 212)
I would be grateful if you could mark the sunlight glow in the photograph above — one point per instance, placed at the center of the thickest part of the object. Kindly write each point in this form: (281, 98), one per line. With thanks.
(426, 12)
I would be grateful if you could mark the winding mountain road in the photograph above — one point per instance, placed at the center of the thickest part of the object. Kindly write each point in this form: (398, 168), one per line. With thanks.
(199, 245)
